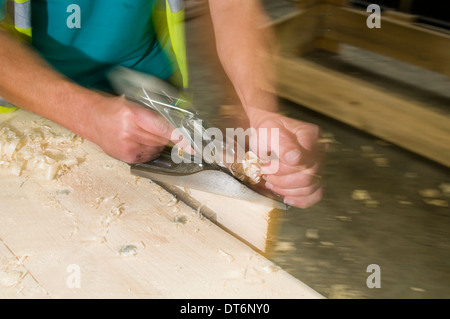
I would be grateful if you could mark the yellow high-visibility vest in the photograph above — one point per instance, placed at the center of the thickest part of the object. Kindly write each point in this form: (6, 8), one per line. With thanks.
(168, 19)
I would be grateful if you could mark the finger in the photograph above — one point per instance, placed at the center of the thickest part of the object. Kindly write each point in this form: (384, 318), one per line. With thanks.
(153, 123)
(146, 154)
(297, 179)
(297, 192)
(143, 137)
(275, 143)
(276, 167)
(304, 201)
(307, 134)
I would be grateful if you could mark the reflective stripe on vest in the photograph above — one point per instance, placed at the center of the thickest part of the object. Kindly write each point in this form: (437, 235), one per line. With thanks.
(2, 9)
(171, 20)
(175, 23)
(168, 22)
(22, 16)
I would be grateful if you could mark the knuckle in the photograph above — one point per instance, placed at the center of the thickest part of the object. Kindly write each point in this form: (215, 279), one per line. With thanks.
(307, 179)
(129, 154)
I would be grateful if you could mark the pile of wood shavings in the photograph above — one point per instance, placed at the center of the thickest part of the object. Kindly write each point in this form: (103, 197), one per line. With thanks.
(38, 148)
(249, 170)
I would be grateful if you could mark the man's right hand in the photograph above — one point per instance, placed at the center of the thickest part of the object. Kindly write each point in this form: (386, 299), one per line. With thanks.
(127, 131)
(121, 128)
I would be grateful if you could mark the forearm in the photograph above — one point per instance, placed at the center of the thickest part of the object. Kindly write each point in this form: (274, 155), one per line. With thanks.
(27, 81)
(241, 47)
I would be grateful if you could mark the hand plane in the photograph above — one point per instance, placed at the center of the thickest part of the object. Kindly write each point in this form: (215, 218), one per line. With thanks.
(192, 170)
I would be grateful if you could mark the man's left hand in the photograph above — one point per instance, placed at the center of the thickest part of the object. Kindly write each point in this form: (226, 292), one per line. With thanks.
(293, 173)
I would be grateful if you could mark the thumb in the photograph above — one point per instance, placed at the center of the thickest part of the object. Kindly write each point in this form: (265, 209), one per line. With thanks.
(276, 143)
(289, 149)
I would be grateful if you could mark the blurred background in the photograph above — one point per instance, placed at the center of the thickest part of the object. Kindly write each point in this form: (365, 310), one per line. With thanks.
(381, 98)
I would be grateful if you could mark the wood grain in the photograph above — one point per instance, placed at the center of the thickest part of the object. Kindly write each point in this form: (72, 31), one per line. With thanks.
(88, 214)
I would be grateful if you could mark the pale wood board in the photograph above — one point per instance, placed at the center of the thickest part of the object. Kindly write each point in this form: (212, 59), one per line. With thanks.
(264, 221)
(50, 225)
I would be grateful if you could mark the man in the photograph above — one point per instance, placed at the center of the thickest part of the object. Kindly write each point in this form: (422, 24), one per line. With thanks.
(53, 76)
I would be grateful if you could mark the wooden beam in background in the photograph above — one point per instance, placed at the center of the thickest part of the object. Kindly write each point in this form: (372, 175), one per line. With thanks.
(402, 41)
(350, 100)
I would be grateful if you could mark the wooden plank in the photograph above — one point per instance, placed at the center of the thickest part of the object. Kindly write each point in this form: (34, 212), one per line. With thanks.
(83, 218)
(408, 43)
(355, 102)
(15, 279)
(264, 222)
(400, 16)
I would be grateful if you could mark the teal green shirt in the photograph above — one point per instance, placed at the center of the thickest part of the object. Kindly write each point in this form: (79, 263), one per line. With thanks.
(111, 33)
(2, 9)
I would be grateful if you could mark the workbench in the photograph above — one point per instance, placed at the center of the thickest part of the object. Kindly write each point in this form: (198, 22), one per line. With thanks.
(92, 230)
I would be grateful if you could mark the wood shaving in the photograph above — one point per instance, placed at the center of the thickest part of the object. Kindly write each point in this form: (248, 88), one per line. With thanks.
(359, 194)
(326, 244)
(371, 203)
(381, 161)
(128, 250)
(343, 218)
(312, 233)
(249, 170)
(436, 202)
(229, 258)
(416, 289)
(38, 149)
(173, 202)
(411, 175)
(271, 269)
(284, 246)
(180, 220)
(430, 193)
(10, 278)
(445, 188)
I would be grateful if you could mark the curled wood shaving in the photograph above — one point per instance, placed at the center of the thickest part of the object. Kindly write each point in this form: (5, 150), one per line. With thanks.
(38, 148)
(249, 170)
